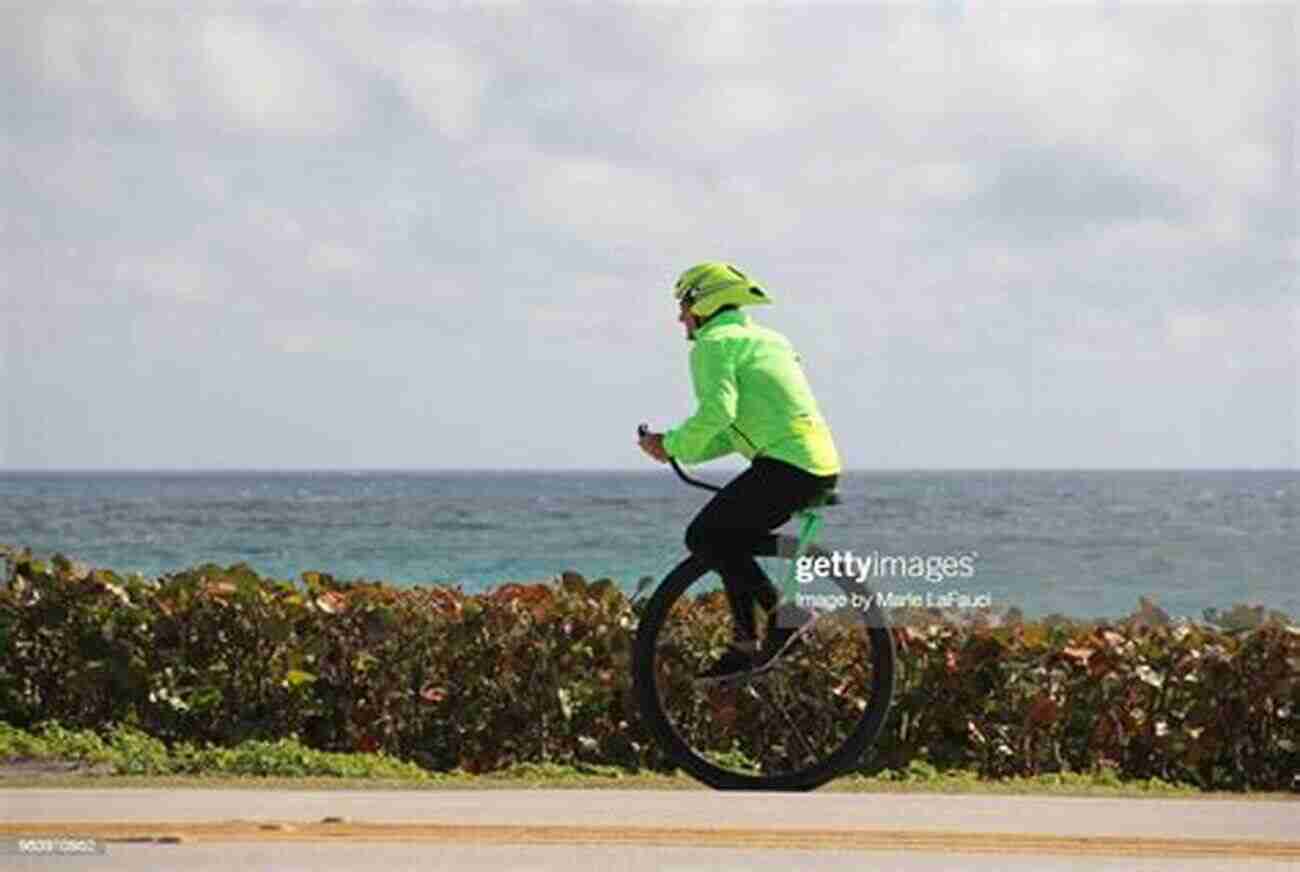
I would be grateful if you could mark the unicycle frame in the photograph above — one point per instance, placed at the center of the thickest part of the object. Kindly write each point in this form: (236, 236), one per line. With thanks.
(810, 524)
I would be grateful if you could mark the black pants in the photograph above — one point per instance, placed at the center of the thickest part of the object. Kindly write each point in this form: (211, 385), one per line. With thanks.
(738, 522)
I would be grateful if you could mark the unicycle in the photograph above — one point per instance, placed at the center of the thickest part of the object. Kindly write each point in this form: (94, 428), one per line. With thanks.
(798, 720)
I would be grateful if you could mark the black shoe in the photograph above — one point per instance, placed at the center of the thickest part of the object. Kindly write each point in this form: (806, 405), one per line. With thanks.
(788, 622)
(732, 662)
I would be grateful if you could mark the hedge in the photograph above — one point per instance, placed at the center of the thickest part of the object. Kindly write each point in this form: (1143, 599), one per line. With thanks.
(539, 673)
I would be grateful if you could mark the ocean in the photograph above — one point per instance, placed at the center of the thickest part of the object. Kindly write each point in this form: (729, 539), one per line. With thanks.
(1086, 544)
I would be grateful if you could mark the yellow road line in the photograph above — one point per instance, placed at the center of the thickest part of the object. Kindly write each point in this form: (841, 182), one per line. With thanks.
(713, 837)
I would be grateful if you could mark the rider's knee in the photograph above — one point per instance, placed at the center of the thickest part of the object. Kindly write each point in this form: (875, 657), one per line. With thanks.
(697, 538)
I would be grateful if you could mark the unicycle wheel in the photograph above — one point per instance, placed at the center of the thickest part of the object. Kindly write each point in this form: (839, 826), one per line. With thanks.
(806, 718)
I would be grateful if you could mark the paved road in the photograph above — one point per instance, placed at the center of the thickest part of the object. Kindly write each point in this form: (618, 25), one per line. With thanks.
(648, 830)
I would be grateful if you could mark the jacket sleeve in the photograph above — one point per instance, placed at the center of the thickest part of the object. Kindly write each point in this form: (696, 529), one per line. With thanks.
(703, 436)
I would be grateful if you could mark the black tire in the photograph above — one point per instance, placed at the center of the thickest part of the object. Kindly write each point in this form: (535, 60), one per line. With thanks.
(674, 707)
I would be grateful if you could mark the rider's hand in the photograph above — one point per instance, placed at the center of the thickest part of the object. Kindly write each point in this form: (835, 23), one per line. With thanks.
(653, 445)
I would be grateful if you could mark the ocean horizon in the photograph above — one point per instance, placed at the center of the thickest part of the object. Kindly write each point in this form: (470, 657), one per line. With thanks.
(1083, 542)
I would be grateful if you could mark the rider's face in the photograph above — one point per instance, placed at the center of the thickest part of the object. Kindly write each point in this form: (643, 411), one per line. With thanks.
(687, 320)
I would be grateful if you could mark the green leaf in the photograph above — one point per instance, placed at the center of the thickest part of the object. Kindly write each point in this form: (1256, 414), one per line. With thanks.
(296, 677)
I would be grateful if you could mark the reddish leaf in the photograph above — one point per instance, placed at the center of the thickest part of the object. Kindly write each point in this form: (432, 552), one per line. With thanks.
(1077, 655)
(1042, 711)
(332, 602)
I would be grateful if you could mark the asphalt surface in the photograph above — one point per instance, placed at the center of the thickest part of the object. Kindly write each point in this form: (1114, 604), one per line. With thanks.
(641, 830)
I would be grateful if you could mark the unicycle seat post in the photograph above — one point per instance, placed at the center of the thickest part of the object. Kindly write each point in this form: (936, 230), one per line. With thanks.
(810, 523)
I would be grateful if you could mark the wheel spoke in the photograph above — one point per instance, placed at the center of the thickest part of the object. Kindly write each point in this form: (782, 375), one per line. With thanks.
(774, 702)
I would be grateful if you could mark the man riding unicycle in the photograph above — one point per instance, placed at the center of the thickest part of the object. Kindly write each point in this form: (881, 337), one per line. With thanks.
(753, 399)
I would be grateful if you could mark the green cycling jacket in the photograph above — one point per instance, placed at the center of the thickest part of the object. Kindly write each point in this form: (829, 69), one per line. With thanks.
(753, 399)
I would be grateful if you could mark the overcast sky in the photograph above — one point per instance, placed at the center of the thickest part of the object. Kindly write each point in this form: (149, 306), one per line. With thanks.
(392, 235)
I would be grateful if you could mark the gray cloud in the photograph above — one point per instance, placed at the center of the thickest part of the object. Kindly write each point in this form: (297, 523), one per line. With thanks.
(1043, 193)
(1072, 229)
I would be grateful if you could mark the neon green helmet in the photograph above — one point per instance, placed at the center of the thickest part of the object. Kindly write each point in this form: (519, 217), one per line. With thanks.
(707, 287)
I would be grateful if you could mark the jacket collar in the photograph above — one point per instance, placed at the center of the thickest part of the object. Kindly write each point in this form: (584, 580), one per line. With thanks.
(735, 316)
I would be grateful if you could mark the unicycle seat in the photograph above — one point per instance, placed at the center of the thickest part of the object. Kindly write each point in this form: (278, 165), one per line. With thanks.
(825, 498)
